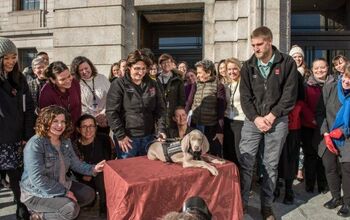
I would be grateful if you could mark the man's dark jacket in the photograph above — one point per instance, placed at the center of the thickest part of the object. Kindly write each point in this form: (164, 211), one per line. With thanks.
(276, 94)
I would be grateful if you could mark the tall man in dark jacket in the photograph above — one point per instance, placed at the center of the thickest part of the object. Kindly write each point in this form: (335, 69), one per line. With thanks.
(268, 92)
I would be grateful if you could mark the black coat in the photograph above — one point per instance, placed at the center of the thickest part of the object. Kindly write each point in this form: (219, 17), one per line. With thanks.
(16, 117)
(276, 94)
(174, 95)
(134, 110)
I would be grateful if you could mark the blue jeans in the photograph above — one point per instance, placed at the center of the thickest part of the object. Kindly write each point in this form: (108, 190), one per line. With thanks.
(139, 147)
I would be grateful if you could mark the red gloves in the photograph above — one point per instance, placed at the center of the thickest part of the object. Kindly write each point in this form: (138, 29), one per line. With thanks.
(336, 133)
(329, 144)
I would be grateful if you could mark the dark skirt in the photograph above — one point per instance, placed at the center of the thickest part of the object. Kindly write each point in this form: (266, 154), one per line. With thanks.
(11, 156)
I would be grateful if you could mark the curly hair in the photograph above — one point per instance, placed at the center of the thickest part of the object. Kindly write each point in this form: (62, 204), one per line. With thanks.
(77, 61)
(46, 117)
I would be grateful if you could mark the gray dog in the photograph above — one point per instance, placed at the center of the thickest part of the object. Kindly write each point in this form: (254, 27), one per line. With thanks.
(184, 151)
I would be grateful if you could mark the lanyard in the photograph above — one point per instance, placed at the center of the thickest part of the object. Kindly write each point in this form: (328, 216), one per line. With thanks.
(92, 90)
(233, 95)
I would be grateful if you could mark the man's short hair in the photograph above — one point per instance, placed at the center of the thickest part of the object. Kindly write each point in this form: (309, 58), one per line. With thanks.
(263, 32)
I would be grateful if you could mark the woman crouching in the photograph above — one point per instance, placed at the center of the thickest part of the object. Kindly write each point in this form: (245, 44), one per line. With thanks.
(46, 190)
(333, 116)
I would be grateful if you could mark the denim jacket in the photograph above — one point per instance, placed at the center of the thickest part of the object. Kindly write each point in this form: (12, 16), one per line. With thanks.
(41, 167)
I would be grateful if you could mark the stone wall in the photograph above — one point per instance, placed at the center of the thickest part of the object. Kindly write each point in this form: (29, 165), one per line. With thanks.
(91, 28)
(106, 30)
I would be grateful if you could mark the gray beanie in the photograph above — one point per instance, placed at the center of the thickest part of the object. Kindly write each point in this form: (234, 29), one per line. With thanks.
(7, 46)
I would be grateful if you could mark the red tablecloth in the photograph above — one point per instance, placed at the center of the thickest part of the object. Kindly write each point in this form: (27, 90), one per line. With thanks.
(138, 188)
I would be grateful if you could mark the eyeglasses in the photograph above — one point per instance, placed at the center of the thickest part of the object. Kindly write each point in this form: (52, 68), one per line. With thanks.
(139, 69)
(86, 127)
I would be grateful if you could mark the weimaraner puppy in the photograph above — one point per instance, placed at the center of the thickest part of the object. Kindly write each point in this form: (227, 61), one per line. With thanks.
(184, 152)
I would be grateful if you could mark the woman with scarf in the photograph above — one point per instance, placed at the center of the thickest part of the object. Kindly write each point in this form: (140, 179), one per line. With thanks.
(333, 116)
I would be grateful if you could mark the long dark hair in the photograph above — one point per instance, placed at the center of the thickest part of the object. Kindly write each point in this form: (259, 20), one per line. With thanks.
(14, 76)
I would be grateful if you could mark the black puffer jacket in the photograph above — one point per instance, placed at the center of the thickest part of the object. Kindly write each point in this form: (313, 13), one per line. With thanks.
(16, 117)
(134, 110)
(276, 94)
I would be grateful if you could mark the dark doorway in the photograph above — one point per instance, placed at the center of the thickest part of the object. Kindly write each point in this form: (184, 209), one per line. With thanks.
(321, 28)
(178, 33)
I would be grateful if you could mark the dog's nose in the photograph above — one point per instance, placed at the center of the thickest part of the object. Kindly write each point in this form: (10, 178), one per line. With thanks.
(197, 148)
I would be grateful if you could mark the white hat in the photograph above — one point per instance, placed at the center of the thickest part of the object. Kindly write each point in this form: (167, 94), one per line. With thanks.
(296, 49)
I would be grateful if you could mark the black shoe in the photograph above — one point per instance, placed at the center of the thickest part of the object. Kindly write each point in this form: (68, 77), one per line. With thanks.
(333, 203)
(344, 211)
(22, 212)
(289, 198)
(267, 213)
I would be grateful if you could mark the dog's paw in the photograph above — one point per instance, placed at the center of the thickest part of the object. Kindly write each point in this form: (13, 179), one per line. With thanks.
(218, 161)
(213, 170)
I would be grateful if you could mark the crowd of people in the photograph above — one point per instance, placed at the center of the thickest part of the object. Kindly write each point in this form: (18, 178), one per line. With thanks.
(270, 113)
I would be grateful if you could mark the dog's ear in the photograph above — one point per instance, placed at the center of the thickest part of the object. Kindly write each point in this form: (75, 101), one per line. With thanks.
(205, 144)
(185, 143)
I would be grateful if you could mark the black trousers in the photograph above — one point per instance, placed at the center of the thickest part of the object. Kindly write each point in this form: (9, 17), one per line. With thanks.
(232, 137)
(15, 177)
(314, 169)
(338, 176)
(287, 167)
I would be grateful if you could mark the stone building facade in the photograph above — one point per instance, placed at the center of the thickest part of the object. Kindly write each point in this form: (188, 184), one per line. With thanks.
(107, 30)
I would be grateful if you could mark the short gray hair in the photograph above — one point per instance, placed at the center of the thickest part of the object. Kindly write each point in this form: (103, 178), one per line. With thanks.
(39, 61)
(207, 65)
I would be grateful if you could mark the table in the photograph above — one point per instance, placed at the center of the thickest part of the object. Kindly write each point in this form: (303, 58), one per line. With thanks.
(141, 189)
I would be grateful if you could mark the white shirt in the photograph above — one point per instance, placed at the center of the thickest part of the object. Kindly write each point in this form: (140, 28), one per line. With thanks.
(100, 85)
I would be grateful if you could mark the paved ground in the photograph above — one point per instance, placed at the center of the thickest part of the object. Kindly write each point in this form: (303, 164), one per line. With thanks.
(8, 208)
(307, 206)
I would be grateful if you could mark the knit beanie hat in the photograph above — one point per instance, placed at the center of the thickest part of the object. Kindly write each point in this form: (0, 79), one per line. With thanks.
(296, 49)
(7, 46)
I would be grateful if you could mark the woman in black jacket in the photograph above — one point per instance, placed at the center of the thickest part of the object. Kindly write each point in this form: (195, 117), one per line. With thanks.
(134, 106)
(16, 118)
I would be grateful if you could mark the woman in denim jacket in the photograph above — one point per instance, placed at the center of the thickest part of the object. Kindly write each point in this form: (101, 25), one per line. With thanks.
(46, 190)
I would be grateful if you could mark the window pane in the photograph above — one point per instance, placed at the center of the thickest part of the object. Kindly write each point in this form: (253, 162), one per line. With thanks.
(180, 43)
(30, 4)
(25, 57)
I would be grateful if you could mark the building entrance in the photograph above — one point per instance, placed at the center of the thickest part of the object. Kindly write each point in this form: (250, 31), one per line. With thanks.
(321, 28)
(178, 33)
